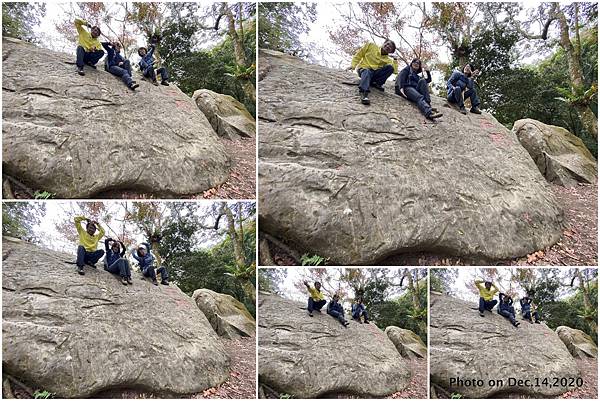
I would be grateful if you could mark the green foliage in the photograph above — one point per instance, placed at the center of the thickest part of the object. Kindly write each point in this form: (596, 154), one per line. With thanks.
(43, 195)
(280, 25)
(285, 396)
(19, 218)
(43, 394)
(312, 260)
(441, 279)
(456, 396)
(18, 19)
(270, 279)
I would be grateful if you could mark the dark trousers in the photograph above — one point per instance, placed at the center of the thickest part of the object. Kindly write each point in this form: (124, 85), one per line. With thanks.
(85, 257)
(338, 315)
(489, 305)
(508, 315)
(124, 72)
(360, 312)
(315, 305)
(84, 57)
(527, 315)
(377, 77)
(150, 73)
(120, 267)
(420, 96)
(150, 272)
(456, 96)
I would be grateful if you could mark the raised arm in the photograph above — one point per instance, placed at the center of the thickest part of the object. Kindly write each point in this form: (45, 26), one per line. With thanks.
(135, 256)
(122, 248)
(107, 244)
(79, 24)
(428, 76)
(78, 221)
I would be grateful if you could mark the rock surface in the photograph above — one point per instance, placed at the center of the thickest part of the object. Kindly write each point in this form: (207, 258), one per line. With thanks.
(317, 357)
(358, 184)
(560, 156)
(228, 117)
(465, 345)
(81, 136)
(407, 342)
(578, 343)
(227, 316)
(80, 335)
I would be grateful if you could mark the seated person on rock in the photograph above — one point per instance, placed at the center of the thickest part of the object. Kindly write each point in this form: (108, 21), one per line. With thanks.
(411, 86)
(316, 299)
(506, 309)
(89, 50)
(359, 309)
(147, 66)
(486, 296)
(117, 65)
(335, 309)
(146, 262)
(375, 66)
(461, 85)
(528, 309)
(87, 254)
(114, 261)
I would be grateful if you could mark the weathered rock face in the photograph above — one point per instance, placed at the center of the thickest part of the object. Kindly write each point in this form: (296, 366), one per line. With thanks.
(317, 357)
(80, 136)
(227, 316)
(560, 156)
(360, 183)
(79, 335)
(407, 342)
(227, 116)
(578, 343)
(466, 346)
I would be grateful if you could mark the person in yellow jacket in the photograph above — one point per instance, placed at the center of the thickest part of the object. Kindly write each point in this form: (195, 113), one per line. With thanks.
(316, 300)
(487, 290)
(375, 65)
(88, 242)
(89, 50)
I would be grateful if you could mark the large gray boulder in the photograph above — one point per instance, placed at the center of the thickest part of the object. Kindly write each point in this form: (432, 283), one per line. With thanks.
(317, 357)
(357, 183)
(81, 136)
(407, 342)
(227, 316)
(578, 343)
(560, 156)
(80, 335)
(228, 117)
(466, 346)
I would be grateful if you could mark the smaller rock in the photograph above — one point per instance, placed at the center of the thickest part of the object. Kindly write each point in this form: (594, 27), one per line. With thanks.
(578, 343)
(228, 316)
(407, 342)
(561, 157)
(228, 117)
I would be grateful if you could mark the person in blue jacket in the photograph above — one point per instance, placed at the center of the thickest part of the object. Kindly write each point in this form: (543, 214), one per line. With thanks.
(359, 309)
(526, 304)
(461, 85)
(114, 261)
(506, 309)
(147, 66)
(146, 262)
(117, 65)
(335, 309)
(411, 86)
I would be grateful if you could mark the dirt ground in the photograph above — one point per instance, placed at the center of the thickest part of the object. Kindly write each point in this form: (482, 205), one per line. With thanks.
(417, 389)
(578, 245)
(589, 373)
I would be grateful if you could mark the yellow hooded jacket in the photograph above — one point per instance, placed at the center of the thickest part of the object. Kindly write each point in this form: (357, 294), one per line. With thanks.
(86, 40)
(369, 56)
(484, 293)
(89, 242)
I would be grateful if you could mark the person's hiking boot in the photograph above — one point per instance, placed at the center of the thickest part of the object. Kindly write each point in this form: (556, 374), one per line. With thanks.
(80, 71)
(475, 110)
(481, 314)
(129, 281)
(164, 282)
(516, 324)
(123, 281)
(538, 322)
(155, 83)
(154, 282)
(133, 85)
(366, 321)
(463, 110)
(346, 323)
(165, 83)
(80, 270)
(379, 88)
(364, 98)
(433, 109)
(432, 116)
(310, 314)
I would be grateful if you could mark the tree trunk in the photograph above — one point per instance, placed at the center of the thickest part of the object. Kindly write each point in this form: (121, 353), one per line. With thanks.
(238, 243)
(585, 294)
(238, 49)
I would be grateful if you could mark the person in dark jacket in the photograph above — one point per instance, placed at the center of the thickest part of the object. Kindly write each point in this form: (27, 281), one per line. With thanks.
(526, 306)
(506, 309)
(114, 261)
(146, 262)
(147, 66)
(117, 65)
(335, 309)
(411, 86)
(358, 310)
(461, 85)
